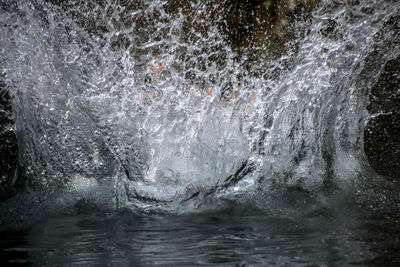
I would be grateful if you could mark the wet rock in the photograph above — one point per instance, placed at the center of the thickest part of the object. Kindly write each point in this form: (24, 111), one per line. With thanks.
(8, 145)
(382, 133)
(265, 26)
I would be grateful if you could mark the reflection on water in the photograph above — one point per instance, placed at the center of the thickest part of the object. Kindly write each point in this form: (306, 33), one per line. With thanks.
(227, 238)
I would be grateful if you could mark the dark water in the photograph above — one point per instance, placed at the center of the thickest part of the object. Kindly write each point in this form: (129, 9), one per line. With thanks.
(209, 239)
(298, 231)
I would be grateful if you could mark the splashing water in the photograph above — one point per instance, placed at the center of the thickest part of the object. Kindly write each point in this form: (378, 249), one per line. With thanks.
(151, 108)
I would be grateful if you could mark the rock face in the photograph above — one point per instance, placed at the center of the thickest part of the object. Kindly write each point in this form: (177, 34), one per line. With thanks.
(8, 145)
(382, 133)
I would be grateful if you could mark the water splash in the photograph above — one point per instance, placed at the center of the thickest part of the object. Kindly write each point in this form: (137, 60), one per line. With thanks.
(151, 104)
